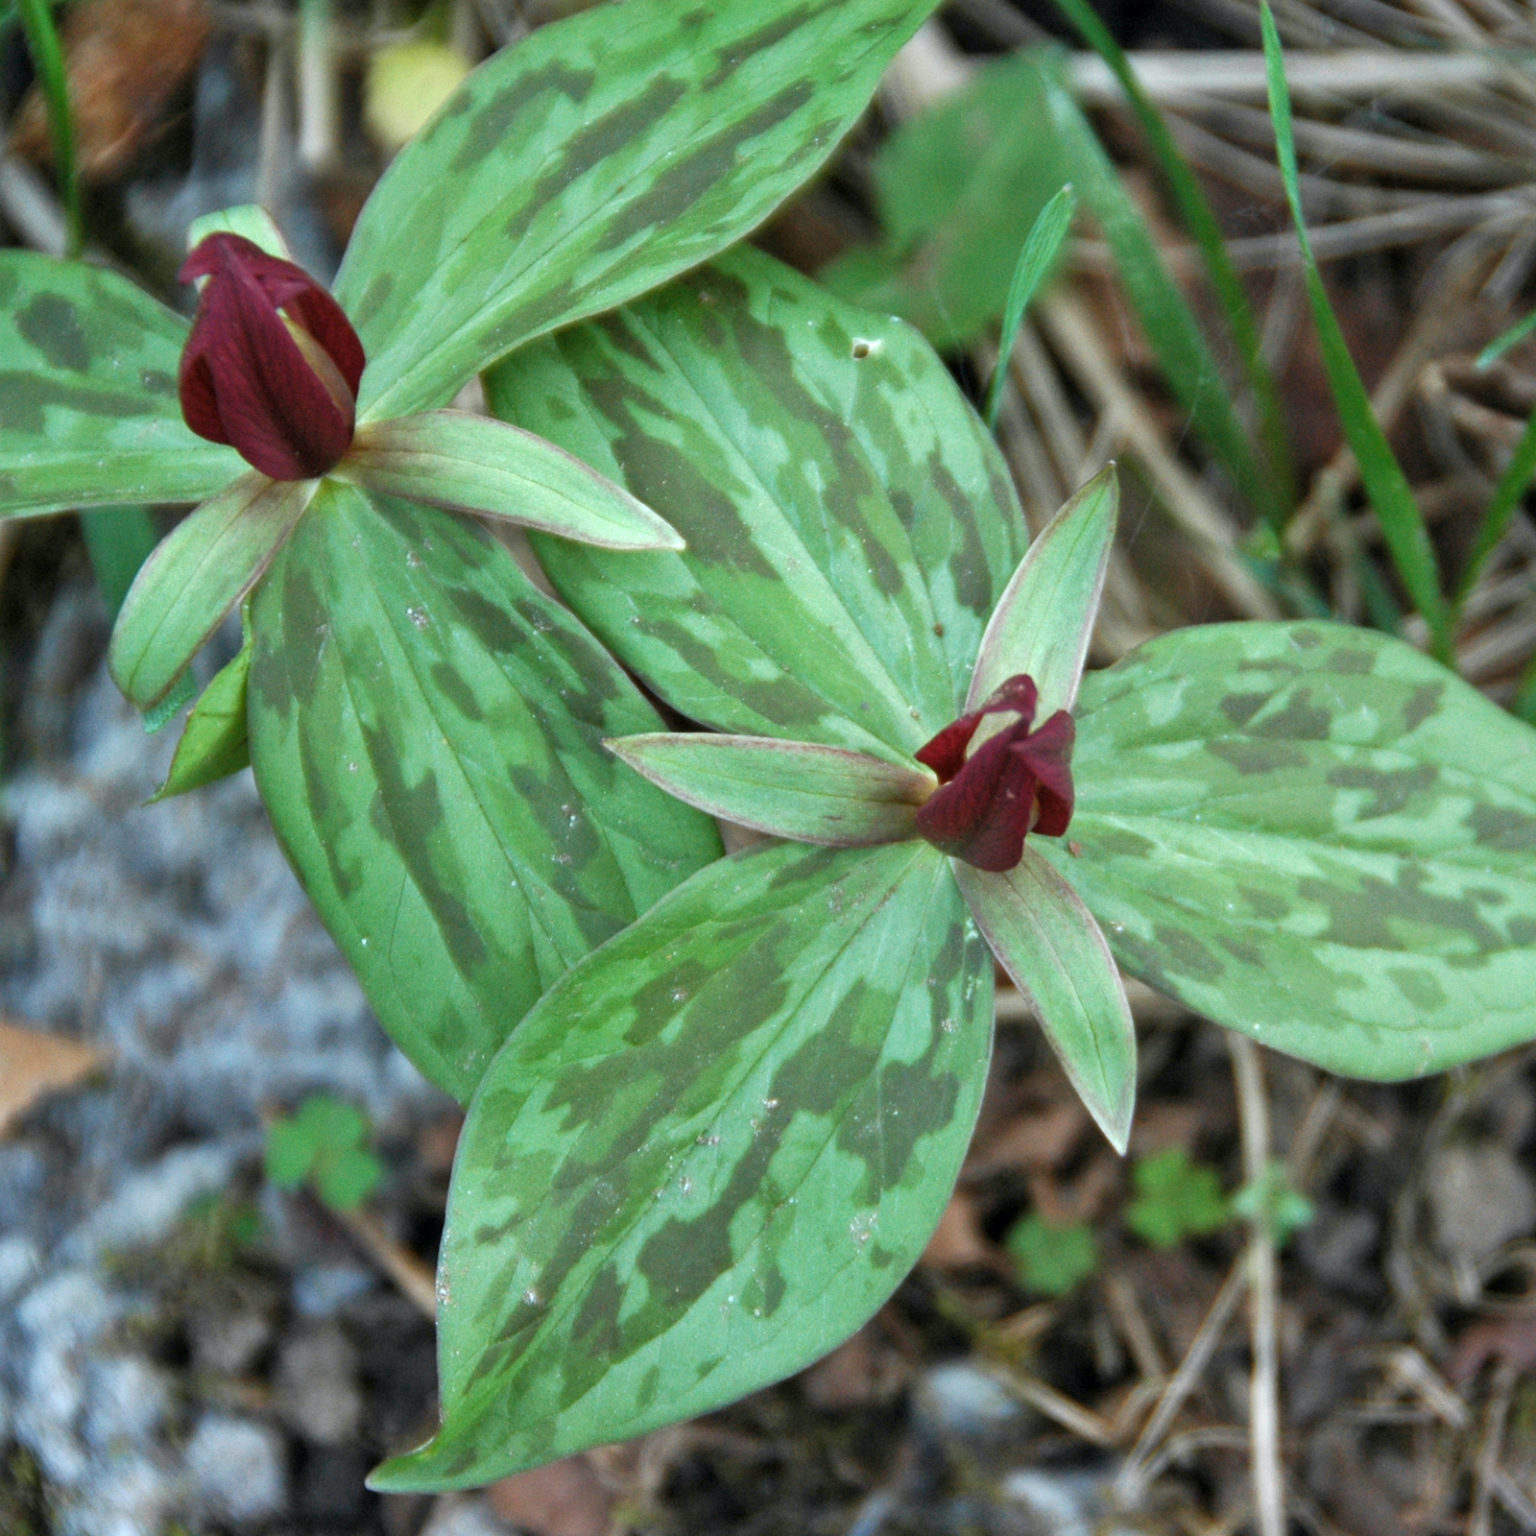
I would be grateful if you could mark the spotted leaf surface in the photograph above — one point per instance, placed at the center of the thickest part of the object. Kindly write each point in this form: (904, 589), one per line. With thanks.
(1315, 835)
(194, 577)
(849, 523)
(708, 1155)
(596, 159)
(426, 732)
(1050, 945)
(473, 464)
(792, 789)
(88, 408)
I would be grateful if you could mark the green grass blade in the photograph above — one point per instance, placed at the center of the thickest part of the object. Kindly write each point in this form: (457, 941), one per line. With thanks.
(1512, 485)
(1387, 487)
(1505, 340)
(48, 60)
(1036, 260)
(1201, 222)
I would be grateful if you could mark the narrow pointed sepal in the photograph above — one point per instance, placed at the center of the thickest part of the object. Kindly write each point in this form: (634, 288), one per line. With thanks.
(1044, 620)
(195, 577)
(468, 463)
(797, 790)
(1049, 943)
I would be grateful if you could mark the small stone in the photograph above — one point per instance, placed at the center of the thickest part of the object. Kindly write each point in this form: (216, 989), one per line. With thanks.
(237, 1468)
(461, 1516)
(1480, 1198)
(324, 1289)
(229, 1343)
(147, 1206)
(315, 1389)
(127, 1400)
(19, 1264)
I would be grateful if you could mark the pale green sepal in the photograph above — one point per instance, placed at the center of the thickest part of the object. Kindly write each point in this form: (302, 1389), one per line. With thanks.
(471, 463)
(426, 730)
(1048, 942)
(1316, 835)
(206, 565)
(794, 789)
(214, 742)
(709, 1155)
(250, 220)
(1044, 621)
(596, 159)
(89, 414)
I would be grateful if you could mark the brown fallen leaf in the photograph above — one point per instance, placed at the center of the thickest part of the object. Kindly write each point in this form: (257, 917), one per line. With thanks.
(33, 1065)
(565, 1498)
(125, 61)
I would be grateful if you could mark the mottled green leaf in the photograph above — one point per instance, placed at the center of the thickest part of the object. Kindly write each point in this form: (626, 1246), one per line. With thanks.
(708, 1156)
(1044, 620)
(473, 464)
(600, 157)
(850, 524)
(211, 560)
(793, 789)
(88, 409)
(1050, 945)
(426, 730)
(1315, 835)
(214, 742)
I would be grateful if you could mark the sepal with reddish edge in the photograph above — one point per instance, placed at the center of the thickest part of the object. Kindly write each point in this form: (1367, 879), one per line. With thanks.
(467, 463)
(798, 790)
(1044, 620)
(1049, 943)
(1017, 781)
(272, 365)
(196, 576)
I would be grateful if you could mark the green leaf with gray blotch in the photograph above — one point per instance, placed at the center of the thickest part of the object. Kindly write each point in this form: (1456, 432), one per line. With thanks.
(194, 577)
(473, 464)
(426, 730)
(89, 414)
(1044, 621)
(598, 158)
(214, 742)
(792, 789)
(1050, 945)
(711, 1152)
(1315, 835)
(850, 524)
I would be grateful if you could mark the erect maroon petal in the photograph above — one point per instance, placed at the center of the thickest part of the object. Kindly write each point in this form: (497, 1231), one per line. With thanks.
(245, 379)
(945, 754)
(1015, 782)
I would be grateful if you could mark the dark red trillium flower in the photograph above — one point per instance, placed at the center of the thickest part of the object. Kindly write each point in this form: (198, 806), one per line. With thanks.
(272, 365)
(1016, 782)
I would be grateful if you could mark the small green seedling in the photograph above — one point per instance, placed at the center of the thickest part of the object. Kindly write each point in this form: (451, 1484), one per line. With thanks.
(1272, 1199)
(1051, 1257)
(325, 1143)
(1175, 1198)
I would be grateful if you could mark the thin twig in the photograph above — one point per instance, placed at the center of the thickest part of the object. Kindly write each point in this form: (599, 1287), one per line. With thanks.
(1264, 1380)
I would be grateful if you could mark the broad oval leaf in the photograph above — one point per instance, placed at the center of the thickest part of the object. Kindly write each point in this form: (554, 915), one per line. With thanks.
(89, 414)
(708, 1156)
(1048, 942)
(473, 464)
(598, 158)
(850, 525)
(1315, 835)
(792, 789)
(1044, 621)
(195, 576)
(426, 730)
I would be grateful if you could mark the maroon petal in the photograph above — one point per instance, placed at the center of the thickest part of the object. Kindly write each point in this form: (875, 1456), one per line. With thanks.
(1015, 782)
(245, 376)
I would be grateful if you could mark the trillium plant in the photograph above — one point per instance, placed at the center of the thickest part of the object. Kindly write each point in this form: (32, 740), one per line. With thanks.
(716, 1104)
